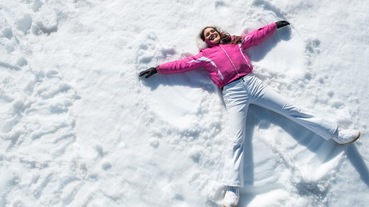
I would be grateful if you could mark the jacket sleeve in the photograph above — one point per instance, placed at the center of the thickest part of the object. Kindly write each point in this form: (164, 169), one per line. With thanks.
(257, 36)
(182, 65)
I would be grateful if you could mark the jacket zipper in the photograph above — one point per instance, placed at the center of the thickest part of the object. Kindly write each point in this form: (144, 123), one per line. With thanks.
(230, 60)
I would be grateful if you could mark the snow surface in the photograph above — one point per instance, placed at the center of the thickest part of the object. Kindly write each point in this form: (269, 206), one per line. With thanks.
(79, 128)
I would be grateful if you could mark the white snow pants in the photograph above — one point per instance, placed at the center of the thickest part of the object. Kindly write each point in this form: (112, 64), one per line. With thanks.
(237, 96)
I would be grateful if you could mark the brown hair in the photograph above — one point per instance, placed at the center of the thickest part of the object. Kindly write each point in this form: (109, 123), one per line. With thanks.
(202, 35)
(225, 38)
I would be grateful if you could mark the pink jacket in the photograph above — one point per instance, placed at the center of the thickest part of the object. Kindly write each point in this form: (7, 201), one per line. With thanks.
(225, 62)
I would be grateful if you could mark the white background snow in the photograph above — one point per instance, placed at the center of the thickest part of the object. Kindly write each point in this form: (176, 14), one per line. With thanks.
(79, 128)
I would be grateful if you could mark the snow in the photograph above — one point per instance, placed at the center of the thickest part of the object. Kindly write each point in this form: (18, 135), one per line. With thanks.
(79, 128)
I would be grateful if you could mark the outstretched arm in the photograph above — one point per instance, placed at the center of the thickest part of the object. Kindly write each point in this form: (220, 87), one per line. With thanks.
(257, 36)
(177, 66)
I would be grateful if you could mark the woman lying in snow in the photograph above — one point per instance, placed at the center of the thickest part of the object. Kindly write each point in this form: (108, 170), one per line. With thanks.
(231, 70)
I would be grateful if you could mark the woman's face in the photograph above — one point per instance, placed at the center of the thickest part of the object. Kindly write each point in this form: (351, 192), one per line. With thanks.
(212, 36)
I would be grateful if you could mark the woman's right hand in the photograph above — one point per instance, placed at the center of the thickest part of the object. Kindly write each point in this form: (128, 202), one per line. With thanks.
(148, 72)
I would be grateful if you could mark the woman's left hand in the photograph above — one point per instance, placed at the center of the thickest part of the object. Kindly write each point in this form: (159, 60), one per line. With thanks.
(282, 23)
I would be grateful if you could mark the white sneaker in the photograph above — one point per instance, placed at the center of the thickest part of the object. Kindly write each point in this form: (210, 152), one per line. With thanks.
(346, 136)
(231, 197)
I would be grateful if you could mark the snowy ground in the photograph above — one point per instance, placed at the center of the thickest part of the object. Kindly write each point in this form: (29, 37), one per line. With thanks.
(78, 128)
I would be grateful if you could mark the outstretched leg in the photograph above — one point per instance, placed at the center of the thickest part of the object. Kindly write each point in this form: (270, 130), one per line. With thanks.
(264, 96)
(236, 100)
(233, 167)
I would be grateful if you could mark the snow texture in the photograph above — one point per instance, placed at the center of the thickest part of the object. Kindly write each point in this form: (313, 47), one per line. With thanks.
(79, 128)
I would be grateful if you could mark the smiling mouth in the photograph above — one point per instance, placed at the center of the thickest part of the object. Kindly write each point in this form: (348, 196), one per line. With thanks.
(212, 37)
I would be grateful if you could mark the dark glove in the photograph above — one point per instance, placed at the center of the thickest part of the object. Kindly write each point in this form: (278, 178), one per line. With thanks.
(282, 24)
(148, 72)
